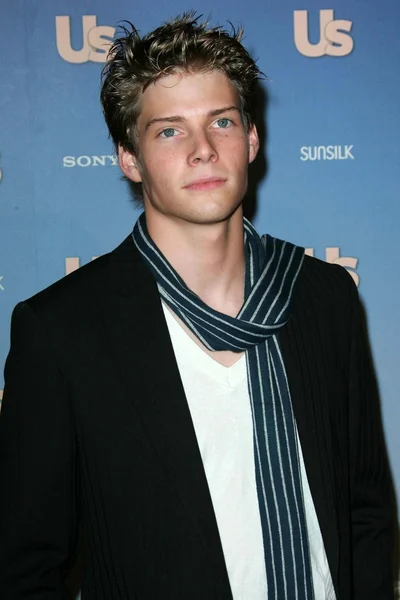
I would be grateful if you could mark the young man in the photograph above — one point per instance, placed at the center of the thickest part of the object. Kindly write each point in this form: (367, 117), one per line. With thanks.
(200, 400)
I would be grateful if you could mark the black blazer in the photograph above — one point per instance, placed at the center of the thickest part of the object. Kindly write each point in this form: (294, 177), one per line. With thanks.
(95, 430)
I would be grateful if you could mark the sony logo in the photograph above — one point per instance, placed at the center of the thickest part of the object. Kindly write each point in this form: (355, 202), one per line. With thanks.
(105, 160)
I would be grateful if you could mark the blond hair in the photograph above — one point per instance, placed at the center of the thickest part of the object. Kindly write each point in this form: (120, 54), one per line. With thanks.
(183, 44)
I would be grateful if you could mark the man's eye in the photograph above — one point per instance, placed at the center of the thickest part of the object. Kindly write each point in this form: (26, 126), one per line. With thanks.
(224, 122)
(168, 133)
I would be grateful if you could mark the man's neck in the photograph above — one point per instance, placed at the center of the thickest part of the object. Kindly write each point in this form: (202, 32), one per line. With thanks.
(209, 258)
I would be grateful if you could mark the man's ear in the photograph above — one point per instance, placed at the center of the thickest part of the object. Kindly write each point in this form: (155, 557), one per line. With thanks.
(254, 143)
(128, 163)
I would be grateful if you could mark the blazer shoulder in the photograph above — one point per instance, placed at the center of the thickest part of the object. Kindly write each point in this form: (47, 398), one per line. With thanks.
(80, 288)
(325, 304)
(326, 282)
(81, 283)
(328, 293)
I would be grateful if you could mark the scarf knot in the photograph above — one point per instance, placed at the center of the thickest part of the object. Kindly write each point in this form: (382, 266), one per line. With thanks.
(272, 267)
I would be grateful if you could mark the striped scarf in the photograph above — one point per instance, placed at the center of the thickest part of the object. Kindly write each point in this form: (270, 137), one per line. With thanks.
(272, 267)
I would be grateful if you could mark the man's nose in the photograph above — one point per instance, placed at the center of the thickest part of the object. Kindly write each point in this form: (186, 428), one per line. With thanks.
(203, 149)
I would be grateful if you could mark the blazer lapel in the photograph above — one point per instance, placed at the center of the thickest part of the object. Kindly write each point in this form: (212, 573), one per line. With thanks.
(134, 318)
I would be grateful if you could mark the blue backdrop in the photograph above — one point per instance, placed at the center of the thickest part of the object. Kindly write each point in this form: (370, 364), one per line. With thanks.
(333, 124)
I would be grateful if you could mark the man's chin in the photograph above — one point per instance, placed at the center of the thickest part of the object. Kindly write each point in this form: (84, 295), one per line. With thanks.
(203, 209)
(214, 214)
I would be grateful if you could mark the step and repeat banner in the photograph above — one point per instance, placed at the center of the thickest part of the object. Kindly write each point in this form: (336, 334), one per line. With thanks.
(328, 179)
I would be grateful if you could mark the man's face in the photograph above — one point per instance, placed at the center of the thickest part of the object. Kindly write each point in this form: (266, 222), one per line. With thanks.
(193, 149)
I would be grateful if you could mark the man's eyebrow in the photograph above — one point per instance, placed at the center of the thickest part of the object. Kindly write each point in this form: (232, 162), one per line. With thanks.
(219, 111)
(181, 119)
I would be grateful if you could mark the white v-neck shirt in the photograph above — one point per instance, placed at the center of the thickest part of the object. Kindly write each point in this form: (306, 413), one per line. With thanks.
(219, 404)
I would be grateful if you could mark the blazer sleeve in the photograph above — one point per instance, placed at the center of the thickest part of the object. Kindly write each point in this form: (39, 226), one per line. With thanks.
(38, 519)
(370, 480)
